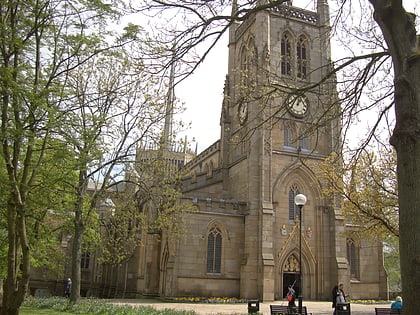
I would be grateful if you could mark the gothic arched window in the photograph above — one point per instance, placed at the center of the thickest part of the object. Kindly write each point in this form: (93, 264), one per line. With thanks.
(286, 55)
(248, 58)
(289, 136)
(210, 169)
(244, 66)
(302, 57)
(206, 168)
(214, 250)
(293, 209)
(303, 139)
(194, 176)
(353, 258)
(304, 143)
(252, 59)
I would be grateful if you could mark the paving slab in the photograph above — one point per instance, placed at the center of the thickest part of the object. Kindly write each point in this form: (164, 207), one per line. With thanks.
(314, 307)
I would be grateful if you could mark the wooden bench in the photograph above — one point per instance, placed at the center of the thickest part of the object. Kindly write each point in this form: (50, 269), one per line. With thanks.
(286, 310)
(387, 311)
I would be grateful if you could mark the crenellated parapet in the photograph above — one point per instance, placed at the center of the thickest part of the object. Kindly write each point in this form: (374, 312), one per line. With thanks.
(203, 156)
(297, 13)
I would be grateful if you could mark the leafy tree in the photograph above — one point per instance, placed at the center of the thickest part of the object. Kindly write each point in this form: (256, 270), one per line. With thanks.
(149, 204)
(392, 265)
(399, 32)
(368, 186)
(40, 41)
(46, 206)
(66, 90)
(114, 104)
(121, 226)
(49, 203)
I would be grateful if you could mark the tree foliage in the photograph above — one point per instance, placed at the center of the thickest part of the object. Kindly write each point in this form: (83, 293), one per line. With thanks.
(392, 266)
(368, 187)
(53, 118)
(113, 105)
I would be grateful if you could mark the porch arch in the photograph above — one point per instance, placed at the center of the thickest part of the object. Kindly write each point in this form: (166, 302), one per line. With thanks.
(289, 268)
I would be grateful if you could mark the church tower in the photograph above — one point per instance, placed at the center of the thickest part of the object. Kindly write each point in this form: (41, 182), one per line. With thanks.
(276, 129)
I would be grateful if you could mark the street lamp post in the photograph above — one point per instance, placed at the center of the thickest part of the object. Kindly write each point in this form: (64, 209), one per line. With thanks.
(300, 201)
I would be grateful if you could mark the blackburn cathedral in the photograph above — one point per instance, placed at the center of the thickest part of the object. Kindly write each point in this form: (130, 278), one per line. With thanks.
(247, 238)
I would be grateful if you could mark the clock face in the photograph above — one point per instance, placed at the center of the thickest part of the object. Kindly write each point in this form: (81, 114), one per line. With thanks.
(297, 105)
(242, 112)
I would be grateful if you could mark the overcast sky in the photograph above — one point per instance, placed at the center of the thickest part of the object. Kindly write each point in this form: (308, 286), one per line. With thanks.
(202, 95)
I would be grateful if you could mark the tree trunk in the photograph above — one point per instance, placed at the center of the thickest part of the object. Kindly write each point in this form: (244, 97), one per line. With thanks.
(104, 279)
(400, 34)
(77, 252)
(76, 273)
(125, 279)
(18, 262)
(117, 279)
(111, 276)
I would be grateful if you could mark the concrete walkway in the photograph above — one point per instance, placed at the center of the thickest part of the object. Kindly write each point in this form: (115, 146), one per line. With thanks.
(314, 307)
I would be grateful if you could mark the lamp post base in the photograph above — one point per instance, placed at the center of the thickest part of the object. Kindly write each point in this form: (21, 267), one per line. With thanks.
(300, 304)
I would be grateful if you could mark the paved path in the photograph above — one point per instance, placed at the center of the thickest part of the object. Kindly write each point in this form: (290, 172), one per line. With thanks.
(316, 308)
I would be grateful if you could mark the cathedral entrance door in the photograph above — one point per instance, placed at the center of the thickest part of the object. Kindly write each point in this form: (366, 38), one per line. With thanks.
(290, 278)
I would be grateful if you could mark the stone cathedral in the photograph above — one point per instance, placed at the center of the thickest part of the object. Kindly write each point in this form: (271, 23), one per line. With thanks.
(245, 240)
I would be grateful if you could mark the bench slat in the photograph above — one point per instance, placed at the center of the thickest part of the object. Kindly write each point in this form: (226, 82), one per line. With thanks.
(387, 311)
(285, 310)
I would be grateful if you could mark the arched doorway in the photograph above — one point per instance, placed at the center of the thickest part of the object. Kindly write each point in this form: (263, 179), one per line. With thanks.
(291, 274)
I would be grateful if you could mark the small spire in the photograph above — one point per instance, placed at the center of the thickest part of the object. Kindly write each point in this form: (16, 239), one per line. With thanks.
(234, 7)
(170, 99)
(323, 12)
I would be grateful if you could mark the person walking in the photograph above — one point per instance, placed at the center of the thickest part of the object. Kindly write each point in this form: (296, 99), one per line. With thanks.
(67, 289)
(291, 296)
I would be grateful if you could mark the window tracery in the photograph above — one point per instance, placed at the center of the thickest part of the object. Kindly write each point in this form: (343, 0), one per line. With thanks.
(353, 258)
(286, 55)
(214, 250)
(302, 57)
(293, 209)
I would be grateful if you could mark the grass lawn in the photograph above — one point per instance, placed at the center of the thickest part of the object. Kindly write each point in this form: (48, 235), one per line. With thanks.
(62, 306)
(24, 310)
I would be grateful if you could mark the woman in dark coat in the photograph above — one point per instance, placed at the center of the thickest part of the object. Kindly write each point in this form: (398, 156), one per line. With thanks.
(67, 289)
(338, 296)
